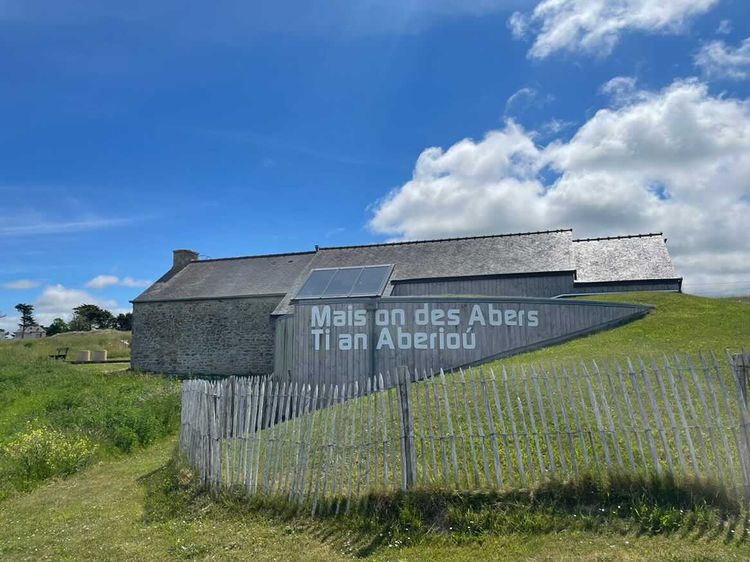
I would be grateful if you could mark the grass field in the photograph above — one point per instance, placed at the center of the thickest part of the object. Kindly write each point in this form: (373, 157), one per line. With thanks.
(678, 322)
(116, 343)
(55, 418)
(117, 510)
(142, 506)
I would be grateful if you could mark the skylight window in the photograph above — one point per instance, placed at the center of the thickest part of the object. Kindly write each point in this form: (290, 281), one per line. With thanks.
(360, 281)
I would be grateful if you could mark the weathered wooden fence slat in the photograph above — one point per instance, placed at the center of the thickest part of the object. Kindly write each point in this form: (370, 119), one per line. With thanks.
(461, 436)
(599, 383)
(694, 419)
(729, 458)
(543, 419)
(451, 431)
(470, 431)
(480, 429)
(626, 434)
(503, 427)
(441, 431)
(512, 416)
(555, 421)
(493, 432)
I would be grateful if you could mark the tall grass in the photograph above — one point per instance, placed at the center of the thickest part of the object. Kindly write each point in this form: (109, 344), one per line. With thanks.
(50, 410)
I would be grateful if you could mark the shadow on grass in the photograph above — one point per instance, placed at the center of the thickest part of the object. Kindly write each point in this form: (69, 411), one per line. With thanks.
(618, 503)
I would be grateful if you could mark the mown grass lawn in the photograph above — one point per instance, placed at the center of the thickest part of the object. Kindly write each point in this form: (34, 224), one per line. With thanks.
(112, 512)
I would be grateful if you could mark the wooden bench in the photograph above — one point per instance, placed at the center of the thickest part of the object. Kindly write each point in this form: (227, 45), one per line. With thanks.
(61, 353)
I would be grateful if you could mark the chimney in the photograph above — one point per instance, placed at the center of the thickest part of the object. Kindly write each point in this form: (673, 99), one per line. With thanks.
(181, 258)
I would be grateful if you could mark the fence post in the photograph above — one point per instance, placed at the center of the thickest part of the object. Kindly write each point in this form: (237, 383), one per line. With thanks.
(741, 367)
(740, 364)
(408, 458)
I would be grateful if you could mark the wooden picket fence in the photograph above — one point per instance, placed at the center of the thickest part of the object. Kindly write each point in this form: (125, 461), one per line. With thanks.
(471, 429)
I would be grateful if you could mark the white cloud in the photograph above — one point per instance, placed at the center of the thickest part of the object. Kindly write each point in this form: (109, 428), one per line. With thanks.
(59, 301)
(676, 160)
(595, 26)
(719, 60)
(524, 99)
(102, 281)
(135, 283)
(725, 27)
(518, 25)
(9, 323)
(20, 285)
(622, 90)
(34, 226)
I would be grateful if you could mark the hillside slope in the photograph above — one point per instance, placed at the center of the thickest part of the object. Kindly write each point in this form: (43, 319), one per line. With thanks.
(678, 323)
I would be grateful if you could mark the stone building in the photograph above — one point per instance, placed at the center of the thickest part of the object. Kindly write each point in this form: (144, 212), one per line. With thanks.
(31, 332)
(222, 316)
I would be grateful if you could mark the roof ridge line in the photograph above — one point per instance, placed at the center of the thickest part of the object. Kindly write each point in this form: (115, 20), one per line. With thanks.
(282, 254)
(427, 241)
(619, 237)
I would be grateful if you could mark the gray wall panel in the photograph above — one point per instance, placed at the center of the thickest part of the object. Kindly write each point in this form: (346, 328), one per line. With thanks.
(557, 320)
(627, 287)
(502, 286)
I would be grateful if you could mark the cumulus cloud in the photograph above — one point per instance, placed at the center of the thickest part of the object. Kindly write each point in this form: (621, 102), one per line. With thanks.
(102, 281)
(20, 285)
(595, 26)
(719, 60)
(675, 160)
(59, 301)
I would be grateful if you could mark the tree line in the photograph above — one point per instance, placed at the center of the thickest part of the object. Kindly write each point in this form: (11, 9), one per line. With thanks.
(86, 317)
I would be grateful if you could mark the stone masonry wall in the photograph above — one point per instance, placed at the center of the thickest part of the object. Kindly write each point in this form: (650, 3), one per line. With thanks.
(206, 337)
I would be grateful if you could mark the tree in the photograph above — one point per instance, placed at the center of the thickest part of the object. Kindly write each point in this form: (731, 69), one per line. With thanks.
(124, 322)
(89, 316)
(58, 326)
(27, 317)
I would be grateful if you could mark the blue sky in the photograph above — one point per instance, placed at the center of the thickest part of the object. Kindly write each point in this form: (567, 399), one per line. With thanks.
(240, 128)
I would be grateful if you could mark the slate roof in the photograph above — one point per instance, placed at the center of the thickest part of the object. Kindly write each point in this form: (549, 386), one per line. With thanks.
(617, 258)
(600, 259)
(230, 277)
(528, 252)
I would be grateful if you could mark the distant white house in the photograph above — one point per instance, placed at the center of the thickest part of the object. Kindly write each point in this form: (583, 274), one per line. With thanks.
(31, 332)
